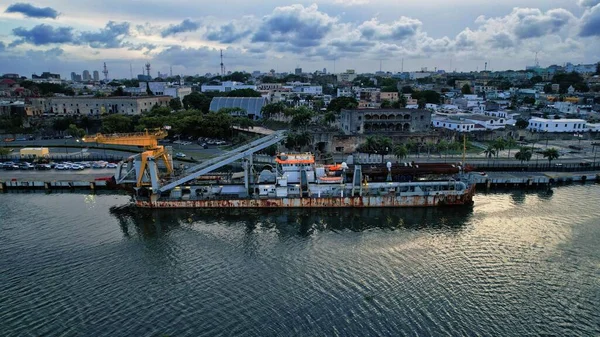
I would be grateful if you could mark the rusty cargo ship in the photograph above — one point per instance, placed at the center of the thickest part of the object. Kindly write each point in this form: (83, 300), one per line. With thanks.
(297, 181)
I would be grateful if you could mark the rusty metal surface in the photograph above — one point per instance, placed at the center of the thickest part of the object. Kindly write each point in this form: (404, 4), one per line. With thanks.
(349, 202)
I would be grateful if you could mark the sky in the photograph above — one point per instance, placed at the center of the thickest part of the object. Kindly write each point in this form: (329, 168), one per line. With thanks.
(64, 36)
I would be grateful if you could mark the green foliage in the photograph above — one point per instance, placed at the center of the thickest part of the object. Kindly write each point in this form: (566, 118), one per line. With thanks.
(536, 79)
(499, 145)
(386, 104)
(339, 103)
(529, 100)
(301, 117)
(118, 92)
(521, 123)
(74, 131)
(175, 104)
(376, 144)
(524, 154)
(116, 123)
(329, 117)
(237, 77)
(490, 151)
(47, 89)
(197, 101)
(551, 154)
(243, 93)
(466, 89)
(61, 124)
(400, 151)
(428, 96)
(298, 140)
(4, 151)
(407, 89)
(389, 89)
(148, 91)
(269, 110)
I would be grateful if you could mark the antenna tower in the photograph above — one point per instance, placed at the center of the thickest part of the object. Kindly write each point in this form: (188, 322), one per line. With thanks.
(222, 65)
(148, 69)
(105, 72)
(537, 62)
(130, 70)
(171, 71)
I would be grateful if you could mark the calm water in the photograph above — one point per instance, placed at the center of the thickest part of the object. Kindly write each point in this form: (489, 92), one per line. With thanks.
(515, 264)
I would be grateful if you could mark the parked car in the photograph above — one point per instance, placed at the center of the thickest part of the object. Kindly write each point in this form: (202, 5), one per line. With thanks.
(68, 137)
(10, 166)
(111, 165)
(99, 164)
(180, 155)
(77, 167)
(42, 167)
(26, 166)
(60, 167)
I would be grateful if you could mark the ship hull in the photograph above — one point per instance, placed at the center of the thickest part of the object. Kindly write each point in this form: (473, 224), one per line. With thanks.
(430, 200)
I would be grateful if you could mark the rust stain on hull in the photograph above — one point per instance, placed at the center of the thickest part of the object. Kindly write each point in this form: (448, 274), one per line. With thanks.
(347, 202)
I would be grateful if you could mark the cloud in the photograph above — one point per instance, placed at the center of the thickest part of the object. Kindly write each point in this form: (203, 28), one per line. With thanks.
(588, 3)
(533, 23)
(2, 46)
(180, 56)
(43, 34)
(142, 46)
(31, 11)
(110, 36)
(501, 41)
(351, 2)
(186, 25)
(294, 26)
(228, 33)
(44, 54)
(397, 30)
(590, 22)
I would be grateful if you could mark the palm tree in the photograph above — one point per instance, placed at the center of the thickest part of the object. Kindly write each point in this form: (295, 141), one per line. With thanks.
(551, 154)
(443, 146)
(524, 154)
(490, 151)
(400, 151)
(499, 145)
(510, 143)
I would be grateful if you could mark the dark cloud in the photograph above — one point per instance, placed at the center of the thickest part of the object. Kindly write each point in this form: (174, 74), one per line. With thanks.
(44, 54)
(228, 33)
(359, 46)
(588, 3)
(533, 23)
(295, 25)
(590, 22)
(31, 11)
(501, 41)
(110, 36)
(186, 25)
(142, 46)
(43, 34)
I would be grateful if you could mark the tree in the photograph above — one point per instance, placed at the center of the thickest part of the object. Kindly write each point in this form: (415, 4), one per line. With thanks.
(598, 68)
(466, 89)
(301, 118)
(521, 123)
(297, 140)
(524, 154)
(116, 123)
(268, 110)
(529, 100)
(243, 93)
(407, 89)
(510, 143)
(386, 104)
(490, 151)
(551, 154)
(499, 145)
(400, 151)
(377, 145)
(339, 103)
(329, 117)
(175, 104)
(197, 101)
(148, 91)
(4, 151)
(118, 92)
(442, 147)
(76, 132)
(548, 88)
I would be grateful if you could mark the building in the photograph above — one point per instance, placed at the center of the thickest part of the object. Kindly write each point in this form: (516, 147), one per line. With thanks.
(12, 108)
(252, 106)
(90, 106)
(372, 121)
(455, 125)
(46, 75)
(86, 75)
(389, 96)
(348, 76)
(160, 89)
(305, 88)
(226, 87)
(96, 76)
(298, 71)
(557, 125)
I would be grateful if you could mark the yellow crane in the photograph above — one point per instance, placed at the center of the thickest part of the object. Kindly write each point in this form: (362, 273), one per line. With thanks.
(148, 140)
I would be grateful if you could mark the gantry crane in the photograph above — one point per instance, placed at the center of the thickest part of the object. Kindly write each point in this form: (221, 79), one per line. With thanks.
(152, 151)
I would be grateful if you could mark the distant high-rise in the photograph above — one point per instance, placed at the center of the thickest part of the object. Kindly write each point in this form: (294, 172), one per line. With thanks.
(73, 76)
(96, 76)
(86, 75)
(298, 71)
(324, 70)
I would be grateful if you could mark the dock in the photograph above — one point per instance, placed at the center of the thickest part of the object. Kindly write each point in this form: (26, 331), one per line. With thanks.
(532, 179)
(57, 180)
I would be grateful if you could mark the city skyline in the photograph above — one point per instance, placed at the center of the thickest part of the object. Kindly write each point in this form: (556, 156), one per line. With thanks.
(364, 35)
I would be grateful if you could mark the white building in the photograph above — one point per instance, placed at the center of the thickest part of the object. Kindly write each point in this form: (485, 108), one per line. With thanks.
(160, 89)
(489, 122)
(557, 125)
(227, 86)
(344, 92)
(455, 125)
(566, 107)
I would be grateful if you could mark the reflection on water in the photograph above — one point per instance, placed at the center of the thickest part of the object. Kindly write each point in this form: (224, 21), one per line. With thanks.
(292, 222)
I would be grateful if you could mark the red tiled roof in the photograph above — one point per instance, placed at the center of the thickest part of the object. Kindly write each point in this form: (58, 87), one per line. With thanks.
(7, 81)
